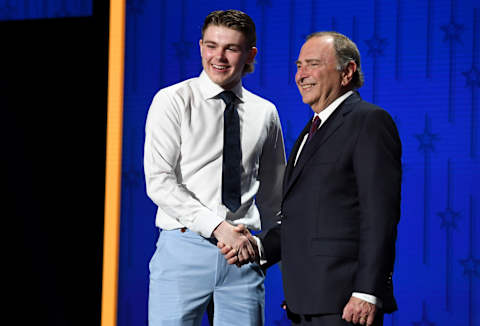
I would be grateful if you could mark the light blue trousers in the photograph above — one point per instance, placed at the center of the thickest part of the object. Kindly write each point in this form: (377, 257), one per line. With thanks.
(187, 270)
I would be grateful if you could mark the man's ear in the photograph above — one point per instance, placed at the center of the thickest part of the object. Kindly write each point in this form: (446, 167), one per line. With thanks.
(251, 54)
(200, 43)
(347, 73)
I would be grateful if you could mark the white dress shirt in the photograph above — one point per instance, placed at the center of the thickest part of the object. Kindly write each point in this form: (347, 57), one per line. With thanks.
(183, 157)
(323, 116)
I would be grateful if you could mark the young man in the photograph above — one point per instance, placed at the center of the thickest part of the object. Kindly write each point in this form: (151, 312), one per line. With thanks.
(214, 158)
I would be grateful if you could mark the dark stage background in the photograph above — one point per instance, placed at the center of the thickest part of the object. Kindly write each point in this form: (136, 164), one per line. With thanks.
(421, 63)
(53, 87)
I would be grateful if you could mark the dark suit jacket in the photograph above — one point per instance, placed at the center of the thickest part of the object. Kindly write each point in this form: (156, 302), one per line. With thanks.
(340, 210)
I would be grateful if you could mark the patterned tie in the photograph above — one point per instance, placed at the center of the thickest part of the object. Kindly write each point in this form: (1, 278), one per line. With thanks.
(314, 127)
(232, 153)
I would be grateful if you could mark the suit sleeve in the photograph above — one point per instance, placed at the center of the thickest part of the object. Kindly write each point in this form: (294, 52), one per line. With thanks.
(377, 167)
(271, 243)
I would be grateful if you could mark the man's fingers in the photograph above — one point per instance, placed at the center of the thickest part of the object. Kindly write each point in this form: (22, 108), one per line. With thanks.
(355, 318)
(227, 251)
(251, 251)
(244, 255)
(247, 251)
(347, 317)
(232, 253)
(240, 228)
(370, 318)
(358, 311)
(347, 313)
(229, 237)
(224, 249)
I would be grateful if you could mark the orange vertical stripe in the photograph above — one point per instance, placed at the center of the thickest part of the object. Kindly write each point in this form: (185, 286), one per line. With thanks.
(113, 162)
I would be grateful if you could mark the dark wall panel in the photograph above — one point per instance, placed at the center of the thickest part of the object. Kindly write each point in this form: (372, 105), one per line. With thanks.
(53, 104)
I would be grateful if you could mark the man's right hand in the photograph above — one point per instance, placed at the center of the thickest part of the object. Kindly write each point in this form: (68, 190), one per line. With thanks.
(235, 242)
(230, 254)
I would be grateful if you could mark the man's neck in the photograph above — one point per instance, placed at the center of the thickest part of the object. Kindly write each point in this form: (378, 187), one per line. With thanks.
(323, 104)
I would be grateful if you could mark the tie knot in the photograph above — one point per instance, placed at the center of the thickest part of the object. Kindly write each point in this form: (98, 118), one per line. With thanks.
(316, 122)
(227, 97)
(314, 127)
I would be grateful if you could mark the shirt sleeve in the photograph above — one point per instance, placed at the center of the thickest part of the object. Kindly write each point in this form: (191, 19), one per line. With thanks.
(270, 174)
(161, 154)
(261, 252)
(369, 298)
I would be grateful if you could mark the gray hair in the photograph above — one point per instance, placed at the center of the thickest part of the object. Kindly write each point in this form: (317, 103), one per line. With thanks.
(345, 51)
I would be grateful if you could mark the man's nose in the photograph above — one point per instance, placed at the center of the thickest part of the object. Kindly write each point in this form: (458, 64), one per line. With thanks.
(220, 54)
(301, 74)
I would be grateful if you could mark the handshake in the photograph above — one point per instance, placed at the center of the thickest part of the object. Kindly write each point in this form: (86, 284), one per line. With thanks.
(237, 244)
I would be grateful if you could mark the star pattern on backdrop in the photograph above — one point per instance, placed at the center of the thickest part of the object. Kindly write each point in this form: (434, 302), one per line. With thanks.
(452, 31)
(472, 77)
(376, 45)
(449, 217)
(471, 266)
(426, 140)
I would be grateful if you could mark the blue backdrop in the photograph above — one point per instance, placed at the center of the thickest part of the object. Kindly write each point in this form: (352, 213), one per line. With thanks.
(421, 63)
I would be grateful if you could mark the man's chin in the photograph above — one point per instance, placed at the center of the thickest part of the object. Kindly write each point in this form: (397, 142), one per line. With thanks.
(219, 79)
(306, 100)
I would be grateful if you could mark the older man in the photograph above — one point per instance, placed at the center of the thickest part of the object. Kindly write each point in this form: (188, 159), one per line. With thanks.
(341, 196)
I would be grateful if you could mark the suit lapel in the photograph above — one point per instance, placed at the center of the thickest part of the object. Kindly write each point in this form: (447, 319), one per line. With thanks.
(293, 154)
(332, 124)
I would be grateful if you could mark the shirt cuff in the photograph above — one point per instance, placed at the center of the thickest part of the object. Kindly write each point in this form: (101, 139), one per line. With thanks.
(261, 252)
(369, 298)
(209, 224)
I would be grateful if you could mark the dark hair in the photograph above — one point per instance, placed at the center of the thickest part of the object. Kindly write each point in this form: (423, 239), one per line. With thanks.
(238, 21)
(345, 51)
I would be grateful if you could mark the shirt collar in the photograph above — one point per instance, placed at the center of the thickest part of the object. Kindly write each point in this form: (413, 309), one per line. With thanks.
(324, 114)
(210, 90)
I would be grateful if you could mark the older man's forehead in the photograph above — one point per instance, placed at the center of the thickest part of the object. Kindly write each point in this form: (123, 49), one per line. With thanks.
(317, 50)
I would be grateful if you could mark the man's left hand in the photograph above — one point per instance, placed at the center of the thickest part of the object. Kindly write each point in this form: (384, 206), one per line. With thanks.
(231, 255)
(358, 311)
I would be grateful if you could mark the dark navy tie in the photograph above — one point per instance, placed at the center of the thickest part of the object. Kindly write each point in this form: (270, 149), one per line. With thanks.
(232, 153)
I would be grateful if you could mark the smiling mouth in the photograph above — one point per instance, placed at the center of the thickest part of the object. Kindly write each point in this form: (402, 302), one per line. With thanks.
(306, 86)
(219, 67)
